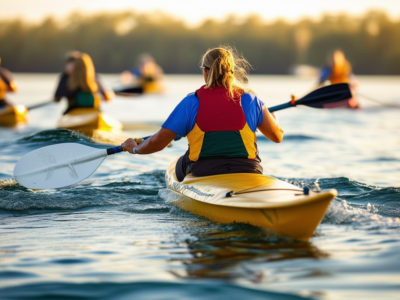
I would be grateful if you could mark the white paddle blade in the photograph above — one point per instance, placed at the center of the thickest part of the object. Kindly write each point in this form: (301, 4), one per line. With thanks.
(58, 165)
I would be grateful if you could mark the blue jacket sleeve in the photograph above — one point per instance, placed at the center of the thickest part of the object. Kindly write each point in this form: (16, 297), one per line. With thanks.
(252, 108)
(183, 117)
(325, 74)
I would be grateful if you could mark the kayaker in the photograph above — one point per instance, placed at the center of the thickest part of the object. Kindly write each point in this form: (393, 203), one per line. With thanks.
(220, 120)
(147, 76)
(80, 84)
(7, 84)
(338, 70)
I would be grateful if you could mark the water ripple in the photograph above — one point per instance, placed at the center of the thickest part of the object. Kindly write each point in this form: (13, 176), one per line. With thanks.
(155, 290)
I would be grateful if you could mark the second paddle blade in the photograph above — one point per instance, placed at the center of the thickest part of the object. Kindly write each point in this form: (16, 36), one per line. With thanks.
(57, 166)
(325, 95)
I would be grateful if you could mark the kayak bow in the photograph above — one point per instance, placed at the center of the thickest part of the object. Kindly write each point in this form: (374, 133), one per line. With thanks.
(88, 119)
(13, 115)
(95, 124)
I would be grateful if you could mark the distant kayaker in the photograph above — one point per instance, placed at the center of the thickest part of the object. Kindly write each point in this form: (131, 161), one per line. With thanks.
(338, 70)
(79, 83)
(220, 121)
(7, 84)
(147, 76)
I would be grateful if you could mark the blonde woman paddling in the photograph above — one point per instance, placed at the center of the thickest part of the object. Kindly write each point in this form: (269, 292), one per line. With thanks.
(80, 85)
(220, 120)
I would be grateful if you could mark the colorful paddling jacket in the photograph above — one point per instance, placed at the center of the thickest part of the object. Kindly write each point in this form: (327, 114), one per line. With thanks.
(221, 129)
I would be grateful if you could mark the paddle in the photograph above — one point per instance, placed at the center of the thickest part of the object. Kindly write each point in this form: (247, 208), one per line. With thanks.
(39, 105)
(383, 104)
(320, 98)
(66, 164)
(61, 165)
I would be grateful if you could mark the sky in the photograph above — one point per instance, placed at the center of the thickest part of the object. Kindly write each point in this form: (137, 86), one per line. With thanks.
(193, 12)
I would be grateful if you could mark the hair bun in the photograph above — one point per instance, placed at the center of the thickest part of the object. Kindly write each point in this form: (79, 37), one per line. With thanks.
(227, 68)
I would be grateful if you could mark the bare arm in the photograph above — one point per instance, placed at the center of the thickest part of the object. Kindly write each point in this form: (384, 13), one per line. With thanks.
(108, 95)
(8, 79)
(270, 126)
(127, 77)
(155, 143)
(12, 87)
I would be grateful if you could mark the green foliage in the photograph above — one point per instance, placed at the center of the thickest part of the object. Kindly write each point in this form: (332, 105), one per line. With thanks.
(114, 41)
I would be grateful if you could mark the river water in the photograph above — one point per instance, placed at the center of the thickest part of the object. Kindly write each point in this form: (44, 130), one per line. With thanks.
(114, 236)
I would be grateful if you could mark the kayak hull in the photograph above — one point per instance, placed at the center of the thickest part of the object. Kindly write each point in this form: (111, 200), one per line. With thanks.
(11, 116)
(148, 88)
(87, 119)
(95, 124)
(265, 202)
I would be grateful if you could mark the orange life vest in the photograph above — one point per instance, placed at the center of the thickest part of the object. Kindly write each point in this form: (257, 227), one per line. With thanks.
(340, 73)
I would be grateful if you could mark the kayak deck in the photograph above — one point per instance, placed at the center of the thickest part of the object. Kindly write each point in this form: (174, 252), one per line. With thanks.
(86, 119)
(258, 200)
(13, 115)
(95, 124)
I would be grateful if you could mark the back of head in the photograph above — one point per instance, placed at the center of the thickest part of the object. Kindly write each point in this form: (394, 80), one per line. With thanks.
(227, 69)
(83, 76)
(72, 55)
(338, 58)
(70, 59)
(145, 58)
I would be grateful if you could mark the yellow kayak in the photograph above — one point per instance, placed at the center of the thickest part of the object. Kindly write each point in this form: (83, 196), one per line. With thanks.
(94, 123)
(147, 88)
(87, 119)
(254, 199)
(13, 115)
(152, 87)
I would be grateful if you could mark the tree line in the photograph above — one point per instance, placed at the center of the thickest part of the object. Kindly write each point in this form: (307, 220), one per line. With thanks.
(115, 40)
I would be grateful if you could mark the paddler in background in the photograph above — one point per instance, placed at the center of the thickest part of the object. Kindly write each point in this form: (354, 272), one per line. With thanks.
(220, 121)
(339, 70)
(7, 84)
(79, 83)
(146, 77)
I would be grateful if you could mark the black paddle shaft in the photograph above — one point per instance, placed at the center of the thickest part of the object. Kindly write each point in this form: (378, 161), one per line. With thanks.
(39, 105)
(320, 97)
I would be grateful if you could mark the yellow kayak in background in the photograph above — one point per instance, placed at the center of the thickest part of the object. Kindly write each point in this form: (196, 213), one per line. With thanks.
(13, 115)
(87, 119)
(93, 123)
(153, 87)
(254, 199)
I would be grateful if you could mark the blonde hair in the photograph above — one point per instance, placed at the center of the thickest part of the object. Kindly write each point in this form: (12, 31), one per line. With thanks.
(338, 57)
(83, 75)
(227, 69)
